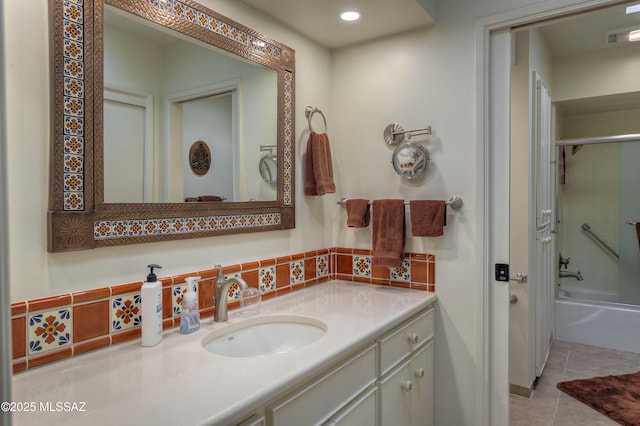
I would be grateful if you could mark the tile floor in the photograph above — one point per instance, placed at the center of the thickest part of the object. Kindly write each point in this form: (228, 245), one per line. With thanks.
(568, 361)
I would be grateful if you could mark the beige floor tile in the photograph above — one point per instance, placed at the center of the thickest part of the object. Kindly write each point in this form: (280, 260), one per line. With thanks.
(568, 361)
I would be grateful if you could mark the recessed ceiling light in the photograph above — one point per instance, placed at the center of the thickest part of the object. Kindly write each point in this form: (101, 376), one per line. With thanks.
(350, 15)
(634, 35)
(633, 9)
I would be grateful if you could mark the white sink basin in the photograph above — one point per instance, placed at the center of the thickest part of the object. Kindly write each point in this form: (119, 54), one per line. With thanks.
(262, 336)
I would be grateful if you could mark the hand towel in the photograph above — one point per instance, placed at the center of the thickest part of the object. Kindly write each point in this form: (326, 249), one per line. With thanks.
(358, 214)
(428, 217)
(318, 173)
(206, 198)
(388, 233)
(638, 232)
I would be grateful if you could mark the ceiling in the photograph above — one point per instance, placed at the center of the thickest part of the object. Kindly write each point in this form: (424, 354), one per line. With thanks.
(319, 21)
(587, 32)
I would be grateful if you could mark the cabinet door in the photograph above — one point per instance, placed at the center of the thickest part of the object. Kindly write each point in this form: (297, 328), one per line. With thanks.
(395, 397)
(361, 412)
(421, 375)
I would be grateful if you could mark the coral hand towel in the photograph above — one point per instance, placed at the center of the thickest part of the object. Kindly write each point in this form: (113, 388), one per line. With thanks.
(388, 233)
(358, 214)
(318, 174)
(427, 217)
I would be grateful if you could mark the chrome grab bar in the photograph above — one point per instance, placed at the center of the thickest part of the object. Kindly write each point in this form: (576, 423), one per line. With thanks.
(585, 227)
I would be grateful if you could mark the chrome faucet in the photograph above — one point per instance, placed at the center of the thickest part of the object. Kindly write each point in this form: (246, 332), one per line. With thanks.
(221, 293)
(571, 274)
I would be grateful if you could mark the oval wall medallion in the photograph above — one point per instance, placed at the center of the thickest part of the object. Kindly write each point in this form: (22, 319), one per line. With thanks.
(200, 158)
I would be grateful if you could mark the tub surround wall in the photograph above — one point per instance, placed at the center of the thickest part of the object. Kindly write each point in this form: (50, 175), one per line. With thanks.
(58, 327)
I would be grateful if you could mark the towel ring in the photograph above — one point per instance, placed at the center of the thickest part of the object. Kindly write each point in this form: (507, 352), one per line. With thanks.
(309, 111)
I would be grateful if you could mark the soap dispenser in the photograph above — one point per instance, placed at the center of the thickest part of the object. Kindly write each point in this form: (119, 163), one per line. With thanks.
(190, 317)
(151, 295)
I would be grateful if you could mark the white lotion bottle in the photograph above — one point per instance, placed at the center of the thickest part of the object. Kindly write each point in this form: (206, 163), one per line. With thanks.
(151, 294)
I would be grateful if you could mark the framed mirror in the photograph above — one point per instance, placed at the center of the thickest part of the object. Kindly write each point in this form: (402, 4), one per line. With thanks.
(134, 84)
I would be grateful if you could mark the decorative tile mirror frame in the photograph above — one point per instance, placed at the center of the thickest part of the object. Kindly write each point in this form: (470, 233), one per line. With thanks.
(78, 217)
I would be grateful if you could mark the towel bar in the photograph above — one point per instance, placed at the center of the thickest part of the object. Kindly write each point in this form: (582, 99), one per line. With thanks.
(454, 202)
(309, 111)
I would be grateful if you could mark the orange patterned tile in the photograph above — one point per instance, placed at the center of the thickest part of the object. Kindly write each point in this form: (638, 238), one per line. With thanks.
(310, 268)
(267, 262)
(248, 266)
(92, 345)
(125, 288)
(381, 272)
(179, 279)
(208, 273)
(19, 337)
(18, 308)
(49, 302)
(312, 253)
(231, 269)
(251, 278)
(282, 275)
(19, 366)
(297, 256)
(206, 291)
(418, 271)
(126, 335)
(400, 284)
(91, 295)
(362, 252)
(167, 303)
(90, 320)
(282, 291)
(50, 357)
(345, 264)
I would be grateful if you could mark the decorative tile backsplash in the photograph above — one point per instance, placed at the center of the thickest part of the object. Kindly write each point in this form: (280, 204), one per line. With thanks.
(58, 327)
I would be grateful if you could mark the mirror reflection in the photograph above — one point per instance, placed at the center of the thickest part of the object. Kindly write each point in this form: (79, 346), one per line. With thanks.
(163, 92)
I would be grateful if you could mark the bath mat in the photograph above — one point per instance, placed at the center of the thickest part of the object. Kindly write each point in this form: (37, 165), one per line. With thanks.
(617, 397)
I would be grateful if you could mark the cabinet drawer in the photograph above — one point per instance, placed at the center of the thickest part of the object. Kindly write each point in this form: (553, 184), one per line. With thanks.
(315, 402)
(361, 412)
(402, 341)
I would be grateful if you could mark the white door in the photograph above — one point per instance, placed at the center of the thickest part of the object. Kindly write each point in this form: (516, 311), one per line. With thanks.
(543, 253)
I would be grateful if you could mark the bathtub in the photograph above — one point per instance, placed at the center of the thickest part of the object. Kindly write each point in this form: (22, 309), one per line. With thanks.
(596, 323)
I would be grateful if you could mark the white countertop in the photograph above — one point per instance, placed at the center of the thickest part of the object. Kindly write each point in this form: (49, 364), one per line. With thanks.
(177, 382)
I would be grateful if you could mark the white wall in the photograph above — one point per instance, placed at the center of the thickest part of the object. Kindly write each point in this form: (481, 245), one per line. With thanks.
(610, 71)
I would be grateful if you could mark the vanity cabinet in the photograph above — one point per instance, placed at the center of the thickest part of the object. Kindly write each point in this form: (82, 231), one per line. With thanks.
(386, 383)
(406, 374)
(406, 393)
(313, 403)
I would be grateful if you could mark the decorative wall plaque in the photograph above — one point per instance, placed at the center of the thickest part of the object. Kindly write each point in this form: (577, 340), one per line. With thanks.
(200, 158)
